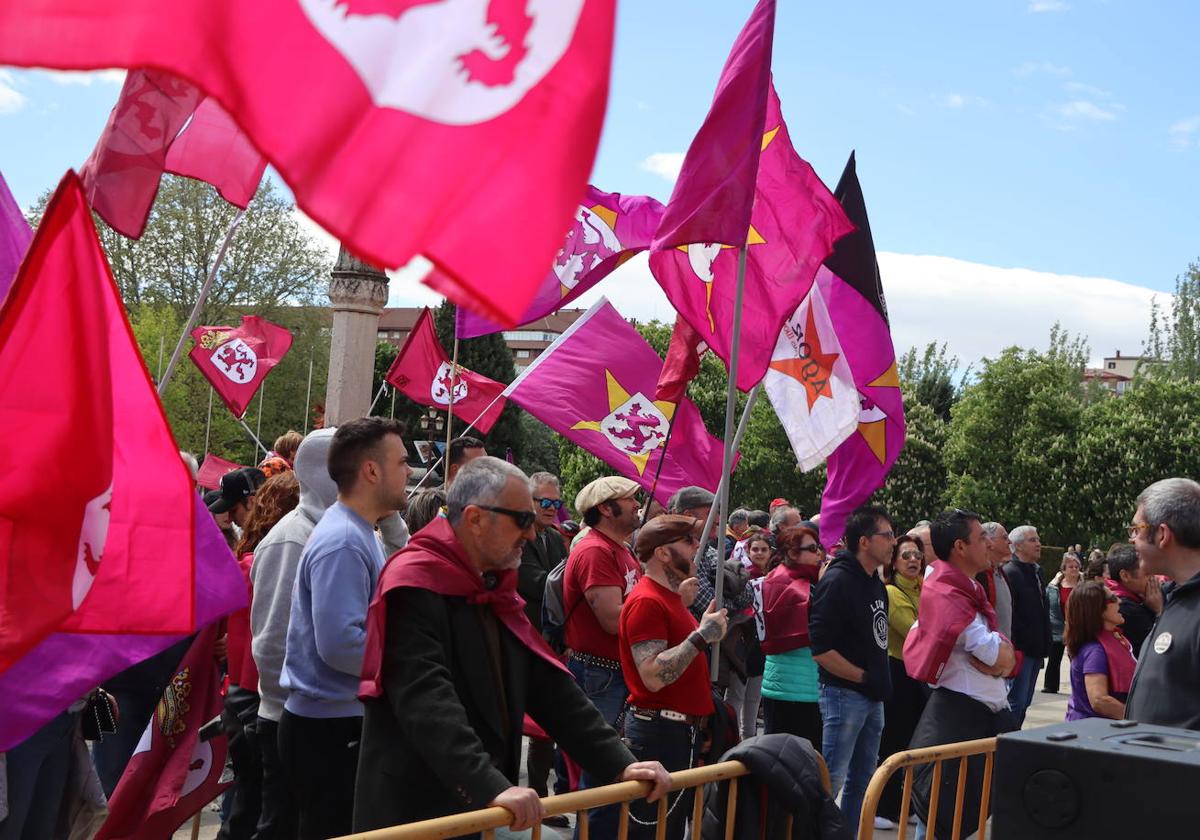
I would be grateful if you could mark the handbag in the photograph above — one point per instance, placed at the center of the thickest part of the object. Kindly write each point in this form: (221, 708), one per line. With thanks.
(98, 718)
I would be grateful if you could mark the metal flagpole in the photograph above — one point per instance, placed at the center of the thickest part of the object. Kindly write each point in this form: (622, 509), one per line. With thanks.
(751, 398)
(393, 411)
(378, 394)
(254, 437)
(730, 406)
(308, 394)
(162, 340)
(208, 421)
(450, 405)
(261, 390)
(662, 457)
(204, 290)
(442, 457)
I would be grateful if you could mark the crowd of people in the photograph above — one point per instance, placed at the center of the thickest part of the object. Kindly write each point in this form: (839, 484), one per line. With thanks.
(400, 648)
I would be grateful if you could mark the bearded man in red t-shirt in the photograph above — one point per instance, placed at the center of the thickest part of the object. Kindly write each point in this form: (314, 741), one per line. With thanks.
(662, 647)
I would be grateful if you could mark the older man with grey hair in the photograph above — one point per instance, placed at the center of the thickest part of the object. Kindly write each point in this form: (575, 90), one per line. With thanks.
(783, 518)
(453, 664)
(1166, 534)
(1030, 617)
(993, 581)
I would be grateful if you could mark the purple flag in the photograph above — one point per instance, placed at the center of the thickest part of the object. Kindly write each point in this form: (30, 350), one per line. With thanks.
(65, 666)
(15, 237)
(858, 310)
(795, 222)
(714, 193)
(595, 387)
(608, 229)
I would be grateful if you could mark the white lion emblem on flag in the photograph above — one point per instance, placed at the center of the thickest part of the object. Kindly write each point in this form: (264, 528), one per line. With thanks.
(636, 426)
(237, 360)
(92, 536)
(440, 388)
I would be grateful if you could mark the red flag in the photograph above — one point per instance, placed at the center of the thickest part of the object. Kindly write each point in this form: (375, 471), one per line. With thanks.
(424, 373)
(210, 472)
(212, 148)
(236, 361)
(682, 362)
(464, 131)
(172, 773)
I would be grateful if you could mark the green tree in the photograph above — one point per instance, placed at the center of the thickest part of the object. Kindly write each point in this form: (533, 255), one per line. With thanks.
(929, 377)
(1175, 337)
(915, 488)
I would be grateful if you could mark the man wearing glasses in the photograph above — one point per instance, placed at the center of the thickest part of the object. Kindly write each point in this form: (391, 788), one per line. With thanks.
(848, 627)
(1166, 533)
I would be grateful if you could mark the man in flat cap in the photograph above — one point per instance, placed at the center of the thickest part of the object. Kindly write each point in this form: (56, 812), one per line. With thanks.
(601, 572)
(662, 648)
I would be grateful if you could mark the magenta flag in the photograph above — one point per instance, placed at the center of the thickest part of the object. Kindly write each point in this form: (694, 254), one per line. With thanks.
(236, 360)
(714, 193)
(15, 236)
(463, 131)
(112, 558)
(609, 228)
(795, 223)
(595, 387)
(212, 148)
(214, 467)
(858, 310)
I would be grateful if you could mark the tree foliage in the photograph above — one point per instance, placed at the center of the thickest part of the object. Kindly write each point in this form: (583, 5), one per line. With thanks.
(1175, 337)
(929, 377)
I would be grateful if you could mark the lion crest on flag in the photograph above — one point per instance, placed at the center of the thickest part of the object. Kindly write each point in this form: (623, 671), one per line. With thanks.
(636, 427)
(442, 382)
(237, 360)
(482, 56)
(92, 537)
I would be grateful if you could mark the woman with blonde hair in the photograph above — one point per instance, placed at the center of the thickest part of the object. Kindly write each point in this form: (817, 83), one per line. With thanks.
(1058, 591)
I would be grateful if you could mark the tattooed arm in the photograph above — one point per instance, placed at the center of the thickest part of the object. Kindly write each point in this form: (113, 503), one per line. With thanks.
(659, 666)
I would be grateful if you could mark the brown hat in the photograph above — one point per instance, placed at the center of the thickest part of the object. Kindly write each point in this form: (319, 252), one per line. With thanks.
(604, 490)
(665, 529)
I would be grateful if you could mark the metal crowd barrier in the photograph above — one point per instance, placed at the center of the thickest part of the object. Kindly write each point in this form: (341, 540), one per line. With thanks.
(935, 755)
(579, 802)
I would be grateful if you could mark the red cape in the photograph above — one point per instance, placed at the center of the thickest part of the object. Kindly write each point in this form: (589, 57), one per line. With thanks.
(786, 594)
(1121, 663)
(949, 602)
(434, 559)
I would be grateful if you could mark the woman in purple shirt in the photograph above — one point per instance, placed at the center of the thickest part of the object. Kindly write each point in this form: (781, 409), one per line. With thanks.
(1102, 660)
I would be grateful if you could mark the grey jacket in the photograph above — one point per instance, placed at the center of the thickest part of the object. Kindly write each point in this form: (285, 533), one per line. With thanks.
(1167, 681)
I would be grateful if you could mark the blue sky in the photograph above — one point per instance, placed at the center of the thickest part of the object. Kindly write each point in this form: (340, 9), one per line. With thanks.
(1058, 136)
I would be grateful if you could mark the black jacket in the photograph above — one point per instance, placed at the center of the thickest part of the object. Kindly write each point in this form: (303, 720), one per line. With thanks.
(1167, 681)
(849, 614)
(538, 559)
(1031, 610)
(784, 775)
(443, 738)
(1139, 619)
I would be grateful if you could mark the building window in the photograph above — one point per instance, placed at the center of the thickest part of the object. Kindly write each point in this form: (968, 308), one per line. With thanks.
(529, 335)
(522, 354)
(1112, 365)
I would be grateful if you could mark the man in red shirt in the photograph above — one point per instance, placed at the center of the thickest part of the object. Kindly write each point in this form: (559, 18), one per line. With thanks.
(601, 572)
(661, 648)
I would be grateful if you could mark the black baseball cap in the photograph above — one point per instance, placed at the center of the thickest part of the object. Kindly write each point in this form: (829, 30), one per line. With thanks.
(237, 486)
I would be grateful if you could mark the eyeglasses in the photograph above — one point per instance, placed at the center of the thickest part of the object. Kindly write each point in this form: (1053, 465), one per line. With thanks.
(523, 518)
(1137, 527)
(887, 535)
(908, 555)
(546, 504)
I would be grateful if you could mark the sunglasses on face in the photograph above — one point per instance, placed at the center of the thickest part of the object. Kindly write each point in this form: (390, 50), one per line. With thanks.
(908, 555)
(546, 504)
(815, 548)
(523, 518)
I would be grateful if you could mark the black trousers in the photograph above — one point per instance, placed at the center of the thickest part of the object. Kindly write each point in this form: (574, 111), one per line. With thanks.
(1053, 668)
(672, 744)
(321, 759)
(277, 816)
(793, 718)
(238, 720)
(900, 716)
(538, 763)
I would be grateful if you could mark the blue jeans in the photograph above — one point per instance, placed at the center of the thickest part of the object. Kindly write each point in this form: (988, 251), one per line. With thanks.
(606, 689)
(1020, 694)
(852, 725)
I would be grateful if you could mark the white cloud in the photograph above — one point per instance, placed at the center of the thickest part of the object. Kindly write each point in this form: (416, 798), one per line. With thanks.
(1184, 132)
(1082, 110)
(666, 165)
(326, 241)
(1038, 6)
(957, 101)
(11, 99)
(1029, 68)
(1091, 91)
(85, 78)
(906, 110)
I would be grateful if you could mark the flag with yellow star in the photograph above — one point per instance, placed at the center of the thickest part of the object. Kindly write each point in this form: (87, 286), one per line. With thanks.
(607, 230)
(595, 386)
(858, 311)
(809, 381)
(794, 224)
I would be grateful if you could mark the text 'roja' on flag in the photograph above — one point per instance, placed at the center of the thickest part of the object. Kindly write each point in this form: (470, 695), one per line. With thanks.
(595, 386)
(464, 131)
(809, 381)
(236, 360)
(608, 229)
(165, 124)
(425, 374)
(107, 554)
(858, 311)
(793, 226)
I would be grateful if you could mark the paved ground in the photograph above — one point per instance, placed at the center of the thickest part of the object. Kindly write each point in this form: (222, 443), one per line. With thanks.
(1047, 709)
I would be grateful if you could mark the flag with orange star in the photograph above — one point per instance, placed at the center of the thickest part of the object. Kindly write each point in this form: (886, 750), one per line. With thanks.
(595, 387)
(858, 312)
(809, 381)
(794, 224)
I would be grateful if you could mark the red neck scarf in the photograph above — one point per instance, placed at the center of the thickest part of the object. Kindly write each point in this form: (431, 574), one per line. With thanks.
(434, 559)
(786, 592)
(949, 602)
(1118, 589)
(1121, 663)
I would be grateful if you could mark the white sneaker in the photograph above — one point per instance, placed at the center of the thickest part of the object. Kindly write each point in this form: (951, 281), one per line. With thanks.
(884, 824)
(912, 819)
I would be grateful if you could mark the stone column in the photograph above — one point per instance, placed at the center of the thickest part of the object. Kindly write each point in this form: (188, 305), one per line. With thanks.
(358, 292)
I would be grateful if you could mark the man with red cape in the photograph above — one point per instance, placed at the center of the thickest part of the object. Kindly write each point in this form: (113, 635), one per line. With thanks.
(453, 665)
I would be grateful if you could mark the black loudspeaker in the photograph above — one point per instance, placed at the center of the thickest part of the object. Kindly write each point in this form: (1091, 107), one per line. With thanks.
(1097, 778)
